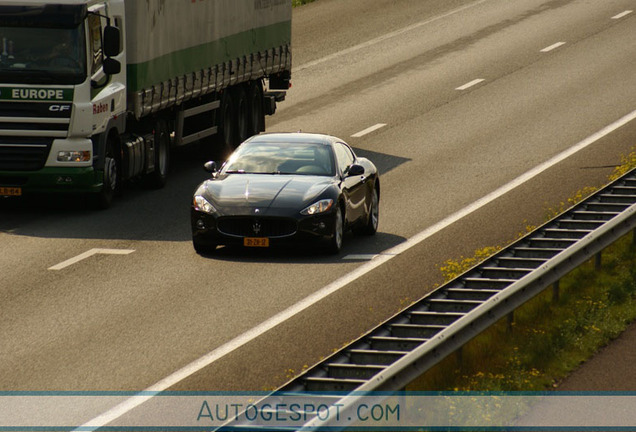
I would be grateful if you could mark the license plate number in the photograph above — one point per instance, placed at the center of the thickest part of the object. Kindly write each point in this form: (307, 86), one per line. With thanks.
(10, 191)
(255, 242)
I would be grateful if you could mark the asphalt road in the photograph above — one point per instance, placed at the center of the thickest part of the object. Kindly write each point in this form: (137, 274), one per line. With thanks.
(471, 95)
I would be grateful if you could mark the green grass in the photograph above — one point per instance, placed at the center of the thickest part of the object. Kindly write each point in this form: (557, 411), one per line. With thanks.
(549, 337)
(300, 2)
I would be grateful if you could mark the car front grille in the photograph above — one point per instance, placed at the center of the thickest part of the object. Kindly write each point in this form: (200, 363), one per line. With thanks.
(257, 227)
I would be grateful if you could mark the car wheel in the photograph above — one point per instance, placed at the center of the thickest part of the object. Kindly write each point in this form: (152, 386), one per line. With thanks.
(335, 245)
(203, 249)
(374, 214)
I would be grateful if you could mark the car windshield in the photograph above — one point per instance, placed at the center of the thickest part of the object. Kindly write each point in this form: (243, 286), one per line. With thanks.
(281, 158)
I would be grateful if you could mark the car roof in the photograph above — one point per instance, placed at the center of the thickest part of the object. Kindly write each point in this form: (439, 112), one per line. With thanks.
(294, 137)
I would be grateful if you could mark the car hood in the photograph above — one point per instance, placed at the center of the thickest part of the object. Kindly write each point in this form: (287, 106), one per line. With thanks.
(249, 191)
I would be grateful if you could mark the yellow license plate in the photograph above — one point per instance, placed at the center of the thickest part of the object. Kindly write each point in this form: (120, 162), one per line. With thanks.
(10, 191)
(255, 242)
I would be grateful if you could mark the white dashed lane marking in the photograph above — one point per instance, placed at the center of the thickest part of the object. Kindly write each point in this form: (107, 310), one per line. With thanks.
(552, 47)
(622, 15)
(368, 130)
(88, 254)
(470, 84)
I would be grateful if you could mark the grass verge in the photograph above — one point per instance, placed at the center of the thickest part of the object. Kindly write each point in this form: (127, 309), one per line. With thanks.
(296, 3)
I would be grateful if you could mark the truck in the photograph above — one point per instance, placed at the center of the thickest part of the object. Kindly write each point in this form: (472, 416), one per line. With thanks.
(96, 93)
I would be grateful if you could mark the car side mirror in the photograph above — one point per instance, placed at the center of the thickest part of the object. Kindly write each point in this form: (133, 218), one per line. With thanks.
(355, 170)
(210, 167)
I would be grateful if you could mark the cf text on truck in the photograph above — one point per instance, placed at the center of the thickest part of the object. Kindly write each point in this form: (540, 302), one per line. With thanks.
(97, 92)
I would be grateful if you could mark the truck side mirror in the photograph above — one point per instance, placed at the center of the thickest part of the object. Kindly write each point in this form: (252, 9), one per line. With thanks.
(111, 66)
(112, 41)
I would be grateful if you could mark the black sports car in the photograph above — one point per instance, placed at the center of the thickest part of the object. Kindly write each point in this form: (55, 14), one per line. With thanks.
(286, 187)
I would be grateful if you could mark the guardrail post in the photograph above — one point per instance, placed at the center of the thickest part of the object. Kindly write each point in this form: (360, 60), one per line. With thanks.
(598, 261)
(511, 321)
(555, 292)
(459, 357)
(633, 239)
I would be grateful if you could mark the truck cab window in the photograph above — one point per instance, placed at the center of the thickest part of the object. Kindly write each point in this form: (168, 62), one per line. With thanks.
(33, 55)
(95, 40)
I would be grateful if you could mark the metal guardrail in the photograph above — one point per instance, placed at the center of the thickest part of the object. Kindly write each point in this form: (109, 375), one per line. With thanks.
(401, 349)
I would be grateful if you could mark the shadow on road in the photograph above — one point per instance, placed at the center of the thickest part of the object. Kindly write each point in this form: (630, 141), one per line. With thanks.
(140, 214)
(356, 248)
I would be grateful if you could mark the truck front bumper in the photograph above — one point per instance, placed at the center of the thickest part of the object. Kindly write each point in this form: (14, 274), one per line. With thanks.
(51, 180)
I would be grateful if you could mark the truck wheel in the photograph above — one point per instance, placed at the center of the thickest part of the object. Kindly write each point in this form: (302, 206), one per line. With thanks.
(157, 178)
(112, 178)
(242, 115)
(257, 118)
(225, 138)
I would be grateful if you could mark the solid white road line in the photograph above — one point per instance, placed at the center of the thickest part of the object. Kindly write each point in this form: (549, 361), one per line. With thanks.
(88, 254)
(470, 84)
(552, 47)
(362, 270)
(368, 130)
(385, 37)
(622, 14)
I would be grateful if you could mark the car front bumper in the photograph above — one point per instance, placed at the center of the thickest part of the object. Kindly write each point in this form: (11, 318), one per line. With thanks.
(208, 229)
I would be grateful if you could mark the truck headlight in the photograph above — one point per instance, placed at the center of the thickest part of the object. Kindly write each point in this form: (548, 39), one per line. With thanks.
(74, 156)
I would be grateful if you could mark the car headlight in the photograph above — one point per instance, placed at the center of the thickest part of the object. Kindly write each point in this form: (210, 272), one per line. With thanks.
(201, 204)
(74, 156)
(318, 207)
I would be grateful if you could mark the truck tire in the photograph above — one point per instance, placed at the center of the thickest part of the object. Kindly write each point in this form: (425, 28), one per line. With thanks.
(257, 116)
(112, 177)
(225, 138)
(242, 115)
(157, 179)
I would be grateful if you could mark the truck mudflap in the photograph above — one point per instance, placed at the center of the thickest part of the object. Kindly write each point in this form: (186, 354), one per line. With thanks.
(51, 180)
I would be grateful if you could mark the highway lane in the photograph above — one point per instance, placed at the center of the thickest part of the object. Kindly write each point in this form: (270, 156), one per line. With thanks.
(113, 322)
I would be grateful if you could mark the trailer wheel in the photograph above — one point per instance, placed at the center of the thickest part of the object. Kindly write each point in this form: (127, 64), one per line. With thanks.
(225, 138)
(257, 118)
(157, 178)
(112, 177)
(242, 115)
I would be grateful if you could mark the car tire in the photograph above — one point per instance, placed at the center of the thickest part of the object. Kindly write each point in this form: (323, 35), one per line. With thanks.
(335, 244)
(203, 249)
(373, 217)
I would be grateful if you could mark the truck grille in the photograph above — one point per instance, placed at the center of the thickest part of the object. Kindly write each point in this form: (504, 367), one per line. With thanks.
(27, 131)
(257, 227)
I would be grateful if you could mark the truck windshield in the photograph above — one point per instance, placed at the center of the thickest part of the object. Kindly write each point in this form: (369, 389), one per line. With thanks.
(42, 55)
